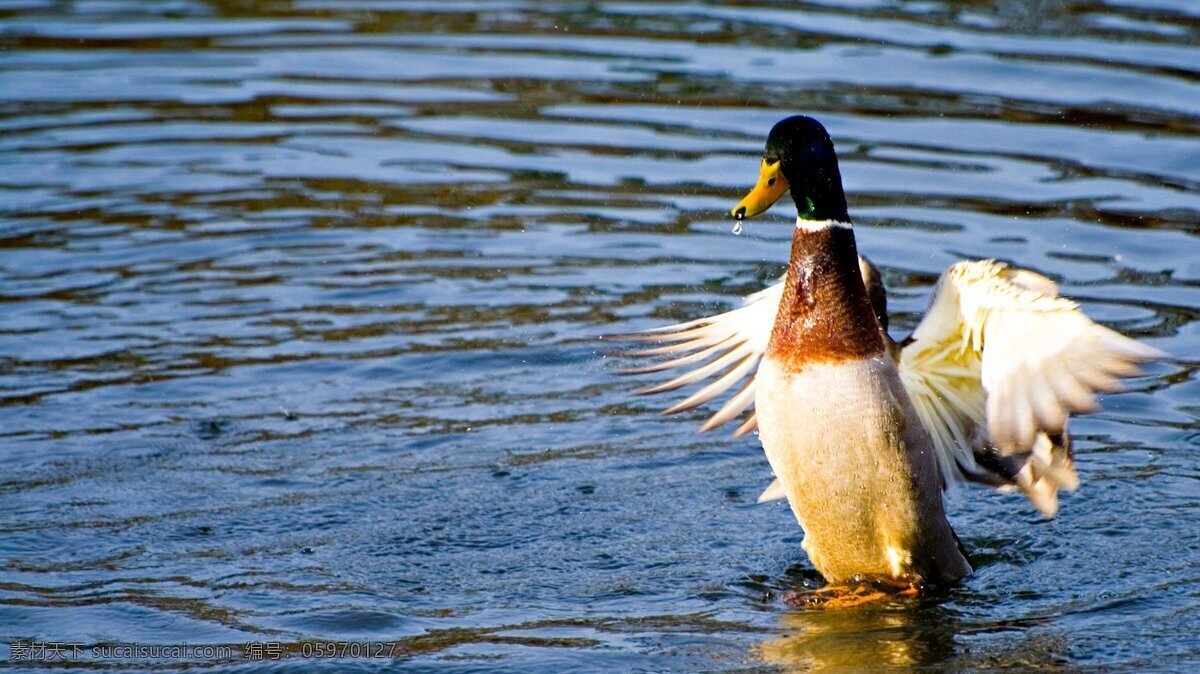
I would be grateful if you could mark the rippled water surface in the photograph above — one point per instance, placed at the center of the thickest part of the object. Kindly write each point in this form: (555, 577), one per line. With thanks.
(299, 305)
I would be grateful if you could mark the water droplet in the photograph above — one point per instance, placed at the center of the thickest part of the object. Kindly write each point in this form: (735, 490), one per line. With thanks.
(737, 227)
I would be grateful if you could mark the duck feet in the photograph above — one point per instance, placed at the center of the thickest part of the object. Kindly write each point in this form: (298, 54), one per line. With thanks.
(849, 595)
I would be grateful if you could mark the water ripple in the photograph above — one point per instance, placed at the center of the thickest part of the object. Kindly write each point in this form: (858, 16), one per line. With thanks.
(299, 305)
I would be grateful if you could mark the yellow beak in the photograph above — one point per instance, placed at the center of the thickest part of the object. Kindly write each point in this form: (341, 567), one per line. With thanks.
(771, 185)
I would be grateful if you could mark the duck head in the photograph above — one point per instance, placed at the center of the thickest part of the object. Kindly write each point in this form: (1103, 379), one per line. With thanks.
(799, 157)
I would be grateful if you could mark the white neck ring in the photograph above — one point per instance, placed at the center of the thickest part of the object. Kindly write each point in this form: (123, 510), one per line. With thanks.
(820, 225)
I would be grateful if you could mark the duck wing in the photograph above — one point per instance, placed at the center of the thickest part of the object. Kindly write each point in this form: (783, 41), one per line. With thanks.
(725, 349)
(996, 366)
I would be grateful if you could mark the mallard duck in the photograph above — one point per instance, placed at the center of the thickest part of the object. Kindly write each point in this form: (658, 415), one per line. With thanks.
(863, 433)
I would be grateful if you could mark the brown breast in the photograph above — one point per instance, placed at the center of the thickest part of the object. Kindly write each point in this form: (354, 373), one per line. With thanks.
(825, 314)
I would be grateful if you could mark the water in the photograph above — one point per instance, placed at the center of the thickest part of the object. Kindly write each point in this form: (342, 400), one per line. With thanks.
(300, 304)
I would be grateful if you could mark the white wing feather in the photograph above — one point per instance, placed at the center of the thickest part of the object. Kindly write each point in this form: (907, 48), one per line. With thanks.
(727, 346)
(773, 492)
(1000, 358)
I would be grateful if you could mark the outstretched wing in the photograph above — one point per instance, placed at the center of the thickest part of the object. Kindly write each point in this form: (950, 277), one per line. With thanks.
(996, 366)
(725, 348)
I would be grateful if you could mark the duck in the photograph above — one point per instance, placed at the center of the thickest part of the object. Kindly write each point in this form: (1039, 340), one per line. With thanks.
(864, 433)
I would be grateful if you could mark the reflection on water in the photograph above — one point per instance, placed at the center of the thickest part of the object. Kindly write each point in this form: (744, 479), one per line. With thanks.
(907, 637)
(299, 304)
(902, 638)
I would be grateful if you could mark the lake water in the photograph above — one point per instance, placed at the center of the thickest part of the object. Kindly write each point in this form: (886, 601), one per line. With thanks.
(299, 305)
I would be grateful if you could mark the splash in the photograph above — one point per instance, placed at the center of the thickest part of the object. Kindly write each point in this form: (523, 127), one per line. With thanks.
(737, 227)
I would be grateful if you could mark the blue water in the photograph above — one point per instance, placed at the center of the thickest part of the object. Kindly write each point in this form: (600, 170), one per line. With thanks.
(299, 304)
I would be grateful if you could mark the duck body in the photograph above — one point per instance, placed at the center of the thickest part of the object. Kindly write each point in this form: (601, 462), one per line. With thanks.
(858, 472)
(864, 433)
(840, 432)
